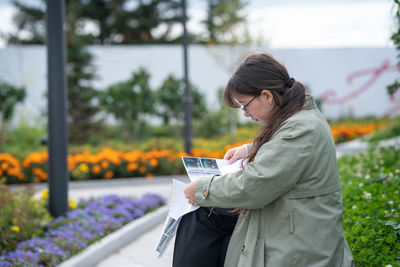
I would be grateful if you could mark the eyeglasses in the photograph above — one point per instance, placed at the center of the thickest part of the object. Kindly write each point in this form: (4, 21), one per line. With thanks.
(244, 108)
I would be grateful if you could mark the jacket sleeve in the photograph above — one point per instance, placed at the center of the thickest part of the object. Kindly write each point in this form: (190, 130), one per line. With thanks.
(275, 170)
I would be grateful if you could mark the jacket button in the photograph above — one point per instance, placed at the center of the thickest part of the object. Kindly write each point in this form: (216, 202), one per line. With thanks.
(205, 192)
(243, 248)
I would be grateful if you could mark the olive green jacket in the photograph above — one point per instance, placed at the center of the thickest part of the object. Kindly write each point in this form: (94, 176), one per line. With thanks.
(292, 196)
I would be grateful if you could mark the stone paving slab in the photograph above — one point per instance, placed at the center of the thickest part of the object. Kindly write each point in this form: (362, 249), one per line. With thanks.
(141, 253)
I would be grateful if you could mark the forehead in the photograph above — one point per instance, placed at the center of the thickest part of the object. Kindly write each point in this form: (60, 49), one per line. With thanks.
(240, 98)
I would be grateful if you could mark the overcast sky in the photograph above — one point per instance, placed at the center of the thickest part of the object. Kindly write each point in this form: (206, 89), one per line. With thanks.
(297, 23)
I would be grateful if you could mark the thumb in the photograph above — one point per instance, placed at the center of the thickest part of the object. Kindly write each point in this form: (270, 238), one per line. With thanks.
(232, 159)
(228, 155)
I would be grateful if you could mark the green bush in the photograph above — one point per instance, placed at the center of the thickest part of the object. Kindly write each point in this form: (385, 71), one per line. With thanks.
(21, 216)
(392, 130)
(24, 139)
(371, 205)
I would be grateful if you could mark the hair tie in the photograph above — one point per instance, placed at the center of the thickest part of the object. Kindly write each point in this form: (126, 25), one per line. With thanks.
(289, 83)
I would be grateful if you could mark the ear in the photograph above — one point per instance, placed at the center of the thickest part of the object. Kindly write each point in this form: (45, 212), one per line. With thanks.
(268, 96)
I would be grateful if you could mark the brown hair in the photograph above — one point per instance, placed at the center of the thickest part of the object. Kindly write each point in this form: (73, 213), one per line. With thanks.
(260, 71)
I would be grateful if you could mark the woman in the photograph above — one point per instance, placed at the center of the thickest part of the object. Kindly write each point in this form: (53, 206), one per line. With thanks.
(289, 194)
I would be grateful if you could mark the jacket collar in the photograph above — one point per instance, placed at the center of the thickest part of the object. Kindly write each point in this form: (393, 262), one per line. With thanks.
(309, 102)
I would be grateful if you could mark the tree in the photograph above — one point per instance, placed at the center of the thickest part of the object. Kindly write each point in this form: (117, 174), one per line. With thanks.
(80, 72)
(391, 89)
(170, 100)
(132, 22)
(129, 102)
(224, 19)
(9, 97)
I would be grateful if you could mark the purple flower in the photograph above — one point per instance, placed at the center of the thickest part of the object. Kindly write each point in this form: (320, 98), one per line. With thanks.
(25, 258)
(73, 232)
(5, 264)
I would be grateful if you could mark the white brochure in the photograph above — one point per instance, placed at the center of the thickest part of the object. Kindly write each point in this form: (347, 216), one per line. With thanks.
(196, 168)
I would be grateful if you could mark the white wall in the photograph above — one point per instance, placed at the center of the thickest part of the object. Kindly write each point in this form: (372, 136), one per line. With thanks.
(211, 67)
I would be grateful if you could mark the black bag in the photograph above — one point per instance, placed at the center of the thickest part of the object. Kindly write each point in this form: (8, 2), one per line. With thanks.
(203, 236)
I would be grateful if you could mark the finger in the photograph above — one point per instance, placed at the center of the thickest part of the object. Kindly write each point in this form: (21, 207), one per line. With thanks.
(232, 160)
(228, 155)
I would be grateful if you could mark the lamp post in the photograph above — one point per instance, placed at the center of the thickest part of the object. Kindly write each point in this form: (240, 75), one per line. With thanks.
(57, 123)
(187, 99)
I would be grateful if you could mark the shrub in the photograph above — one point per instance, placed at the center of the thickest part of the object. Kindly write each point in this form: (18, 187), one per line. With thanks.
(392, 130)
(371, 205)
(21, 216)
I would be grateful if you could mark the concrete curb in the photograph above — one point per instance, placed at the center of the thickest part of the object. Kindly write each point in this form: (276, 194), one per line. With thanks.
(116, 240)
(111, 183)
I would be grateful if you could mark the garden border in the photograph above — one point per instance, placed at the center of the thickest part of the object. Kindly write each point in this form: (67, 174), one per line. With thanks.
(103, 248)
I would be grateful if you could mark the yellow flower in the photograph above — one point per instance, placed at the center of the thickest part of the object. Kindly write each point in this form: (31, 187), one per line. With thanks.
(45, 194)
(15, 228)
(83, 167)
(72, 204)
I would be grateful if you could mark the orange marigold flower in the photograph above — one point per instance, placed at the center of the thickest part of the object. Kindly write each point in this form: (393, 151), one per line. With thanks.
(109, 174)
(142, 169)
(5, 166)
(105, 164)
(96, 169)
(149, 176)
(20, 176)
(132, 167)
(37, 179)
(154, 162)
(36, 171)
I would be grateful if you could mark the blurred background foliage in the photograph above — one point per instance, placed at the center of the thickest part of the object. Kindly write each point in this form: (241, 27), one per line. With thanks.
(144, 117)
(131, 102)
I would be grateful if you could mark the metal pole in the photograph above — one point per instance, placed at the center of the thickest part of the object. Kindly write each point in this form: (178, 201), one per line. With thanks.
(187, 99)
(57, 95)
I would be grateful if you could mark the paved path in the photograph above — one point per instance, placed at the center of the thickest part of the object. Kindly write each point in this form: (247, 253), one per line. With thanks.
(140, 253)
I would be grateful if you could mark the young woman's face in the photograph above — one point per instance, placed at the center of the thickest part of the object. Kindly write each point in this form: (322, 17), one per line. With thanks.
(258, 108)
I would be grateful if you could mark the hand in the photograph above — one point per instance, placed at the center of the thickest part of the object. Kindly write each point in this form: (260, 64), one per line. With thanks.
(190, 192)
(235, 154)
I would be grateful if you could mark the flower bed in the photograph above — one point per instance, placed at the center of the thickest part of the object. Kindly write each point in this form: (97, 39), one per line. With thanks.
(90, 221)
(106, 164)
(109, 163)
(371, 185)
(344, 133)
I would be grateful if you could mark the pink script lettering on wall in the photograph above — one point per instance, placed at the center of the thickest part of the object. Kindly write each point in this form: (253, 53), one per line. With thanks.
(329, 97)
